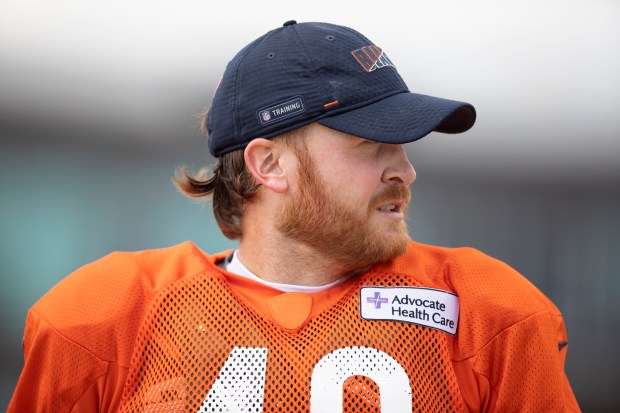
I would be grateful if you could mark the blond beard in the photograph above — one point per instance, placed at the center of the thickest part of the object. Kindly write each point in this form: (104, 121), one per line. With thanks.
(321, 220)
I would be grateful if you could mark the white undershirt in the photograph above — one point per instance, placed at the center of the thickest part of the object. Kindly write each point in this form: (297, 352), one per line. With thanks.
(235, 266)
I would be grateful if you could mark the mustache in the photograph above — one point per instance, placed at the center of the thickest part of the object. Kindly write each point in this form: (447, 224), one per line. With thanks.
(392, 193)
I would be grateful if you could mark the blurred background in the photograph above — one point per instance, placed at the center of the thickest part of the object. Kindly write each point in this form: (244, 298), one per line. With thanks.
(98, 105)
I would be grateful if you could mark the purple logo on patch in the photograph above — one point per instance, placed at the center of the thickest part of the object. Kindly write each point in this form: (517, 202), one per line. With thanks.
(377, 300)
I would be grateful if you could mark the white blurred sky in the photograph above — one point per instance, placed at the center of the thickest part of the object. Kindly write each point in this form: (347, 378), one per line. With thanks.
(543, 74)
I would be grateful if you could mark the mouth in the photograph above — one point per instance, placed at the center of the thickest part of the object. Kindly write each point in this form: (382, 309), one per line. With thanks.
(391, 202)
(392, 208)
(388, 208)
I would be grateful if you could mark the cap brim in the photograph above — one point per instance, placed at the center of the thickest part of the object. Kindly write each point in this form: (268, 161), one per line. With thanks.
(404, 117)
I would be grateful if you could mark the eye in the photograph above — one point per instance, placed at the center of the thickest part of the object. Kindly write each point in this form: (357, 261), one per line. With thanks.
(368, 148)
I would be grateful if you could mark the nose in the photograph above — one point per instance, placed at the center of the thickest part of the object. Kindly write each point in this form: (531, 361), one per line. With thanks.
(398, 168)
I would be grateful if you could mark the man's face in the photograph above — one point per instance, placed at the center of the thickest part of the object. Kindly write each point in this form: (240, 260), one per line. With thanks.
(350, 199)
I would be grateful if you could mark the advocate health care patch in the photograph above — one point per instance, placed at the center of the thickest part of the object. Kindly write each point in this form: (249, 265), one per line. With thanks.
(428, 307)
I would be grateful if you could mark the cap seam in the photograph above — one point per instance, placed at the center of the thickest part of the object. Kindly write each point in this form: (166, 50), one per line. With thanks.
(311, 60)
(365, 103)
(236, 111)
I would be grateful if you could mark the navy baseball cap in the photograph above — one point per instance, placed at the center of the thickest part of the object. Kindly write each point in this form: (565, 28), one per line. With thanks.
(319, 72)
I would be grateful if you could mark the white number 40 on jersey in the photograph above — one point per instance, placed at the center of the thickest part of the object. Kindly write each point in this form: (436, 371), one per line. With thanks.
(240, 386)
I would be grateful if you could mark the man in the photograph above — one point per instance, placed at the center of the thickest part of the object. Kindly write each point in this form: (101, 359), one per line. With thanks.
(326, 306)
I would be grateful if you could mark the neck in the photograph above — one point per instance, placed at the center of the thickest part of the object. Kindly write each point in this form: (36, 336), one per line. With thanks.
(276, 259)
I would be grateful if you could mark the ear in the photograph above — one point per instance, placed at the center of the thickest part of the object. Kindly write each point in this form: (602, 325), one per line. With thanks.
(263, 158)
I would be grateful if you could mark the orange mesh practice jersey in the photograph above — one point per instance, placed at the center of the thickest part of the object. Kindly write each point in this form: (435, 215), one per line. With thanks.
(436, 330)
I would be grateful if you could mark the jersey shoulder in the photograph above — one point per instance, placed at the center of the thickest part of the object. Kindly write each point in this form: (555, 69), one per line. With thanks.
(100, 306)
(492, 295)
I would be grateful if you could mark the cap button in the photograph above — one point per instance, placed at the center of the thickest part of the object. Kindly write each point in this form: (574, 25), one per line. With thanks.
(289, 23)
